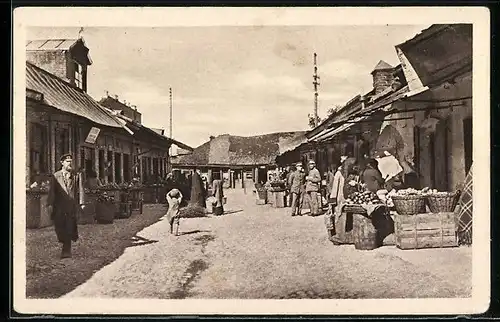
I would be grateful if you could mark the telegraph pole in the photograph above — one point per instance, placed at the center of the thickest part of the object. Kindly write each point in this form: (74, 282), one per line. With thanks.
(171, 107)
(316, 84)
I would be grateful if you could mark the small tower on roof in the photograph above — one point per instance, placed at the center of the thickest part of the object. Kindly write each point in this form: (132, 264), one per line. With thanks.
(382, 76)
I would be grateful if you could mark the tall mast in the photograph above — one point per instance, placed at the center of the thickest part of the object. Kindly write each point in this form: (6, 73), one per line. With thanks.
(171, 107)
(316, 84)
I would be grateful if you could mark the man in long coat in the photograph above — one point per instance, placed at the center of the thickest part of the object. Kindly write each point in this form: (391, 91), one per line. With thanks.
(65, 200)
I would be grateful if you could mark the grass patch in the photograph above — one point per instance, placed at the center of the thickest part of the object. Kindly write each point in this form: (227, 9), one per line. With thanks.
(47, 276)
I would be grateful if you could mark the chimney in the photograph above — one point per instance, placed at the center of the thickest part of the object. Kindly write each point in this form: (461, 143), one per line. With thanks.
(116, 97)
(382, 76)
(212, 137)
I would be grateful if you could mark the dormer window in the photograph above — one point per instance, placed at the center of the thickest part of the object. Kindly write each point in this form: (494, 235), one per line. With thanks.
(78, 75)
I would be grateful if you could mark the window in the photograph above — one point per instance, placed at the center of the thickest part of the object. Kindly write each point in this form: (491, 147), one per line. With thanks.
(78, 75)
(126, 167)
(102, 162)
(62, 144)
(38, 149)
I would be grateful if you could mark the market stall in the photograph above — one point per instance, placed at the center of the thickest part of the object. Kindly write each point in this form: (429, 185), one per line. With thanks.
(415, 219)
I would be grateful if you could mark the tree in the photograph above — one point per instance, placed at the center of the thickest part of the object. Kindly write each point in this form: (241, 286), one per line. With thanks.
(332, 110)
(312, 122)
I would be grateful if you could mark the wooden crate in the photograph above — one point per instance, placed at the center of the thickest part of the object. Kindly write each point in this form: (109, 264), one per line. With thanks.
(429, 230)
(278, 199)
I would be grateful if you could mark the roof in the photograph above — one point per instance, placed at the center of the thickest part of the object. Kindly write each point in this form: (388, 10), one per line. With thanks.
(59, 94)
(115, 104)
(158, 131)
(58, 44)
(239, 150)
(50, 44)
(382, 65)
(147, 130)
(439, 52)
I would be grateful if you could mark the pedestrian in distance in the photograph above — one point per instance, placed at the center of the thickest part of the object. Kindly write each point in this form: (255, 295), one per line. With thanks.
(218, 193)
(174, 199)
(297, 187)
(313, 181)
(65, 200)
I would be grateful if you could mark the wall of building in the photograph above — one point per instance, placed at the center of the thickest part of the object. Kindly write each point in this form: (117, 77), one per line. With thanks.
(448, 155)
(54, 62)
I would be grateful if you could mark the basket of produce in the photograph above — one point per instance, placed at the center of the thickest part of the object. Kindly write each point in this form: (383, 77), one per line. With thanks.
(440, 201)
(407, 201)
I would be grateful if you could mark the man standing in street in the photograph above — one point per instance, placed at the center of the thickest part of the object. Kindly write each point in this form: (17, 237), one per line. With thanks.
(313, 181)
(297, 181)
(65, 200)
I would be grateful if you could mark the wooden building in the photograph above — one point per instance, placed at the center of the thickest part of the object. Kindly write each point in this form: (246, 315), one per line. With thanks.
(239, 161)
(420, 111)
(61, 117)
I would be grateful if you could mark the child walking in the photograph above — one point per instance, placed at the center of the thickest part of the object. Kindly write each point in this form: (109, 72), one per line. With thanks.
(174, 199)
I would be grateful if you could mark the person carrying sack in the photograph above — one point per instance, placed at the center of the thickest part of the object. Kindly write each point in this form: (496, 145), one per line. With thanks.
(174, 199)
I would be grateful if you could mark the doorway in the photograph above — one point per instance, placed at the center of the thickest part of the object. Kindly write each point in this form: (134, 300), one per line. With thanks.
(438, 146)
(118, 168)
(468, 143)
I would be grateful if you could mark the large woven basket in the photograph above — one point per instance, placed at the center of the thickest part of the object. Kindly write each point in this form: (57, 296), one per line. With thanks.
(409, 205)
(443, 203)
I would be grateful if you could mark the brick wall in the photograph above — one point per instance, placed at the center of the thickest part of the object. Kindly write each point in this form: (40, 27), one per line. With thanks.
(382, 79)
(54, 62)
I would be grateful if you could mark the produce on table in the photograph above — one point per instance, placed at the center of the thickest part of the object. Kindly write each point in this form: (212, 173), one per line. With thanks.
(366, 197)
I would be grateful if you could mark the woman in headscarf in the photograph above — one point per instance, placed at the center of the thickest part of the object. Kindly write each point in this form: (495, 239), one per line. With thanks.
(372, 177)
(198, 193)
(218, 208)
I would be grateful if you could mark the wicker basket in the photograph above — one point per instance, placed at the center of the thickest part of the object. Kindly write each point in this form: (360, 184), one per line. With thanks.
(409, 205)
(443, 203)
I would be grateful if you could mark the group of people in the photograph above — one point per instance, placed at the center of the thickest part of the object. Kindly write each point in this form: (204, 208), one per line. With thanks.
(199, 192)
(305, 187)
(66, 199)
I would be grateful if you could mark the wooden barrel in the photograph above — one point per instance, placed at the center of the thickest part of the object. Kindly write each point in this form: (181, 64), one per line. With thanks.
(33, 210)
(105, 212)
(365, 234)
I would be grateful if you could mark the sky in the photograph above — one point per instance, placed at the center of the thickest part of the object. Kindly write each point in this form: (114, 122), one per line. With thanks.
(245, 80)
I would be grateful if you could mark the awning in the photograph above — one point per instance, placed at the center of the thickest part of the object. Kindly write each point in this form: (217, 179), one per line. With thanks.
(62, 96)
(329, 133)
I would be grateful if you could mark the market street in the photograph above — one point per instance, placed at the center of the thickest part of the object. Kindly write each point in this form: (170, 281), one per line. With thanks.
(261, 252)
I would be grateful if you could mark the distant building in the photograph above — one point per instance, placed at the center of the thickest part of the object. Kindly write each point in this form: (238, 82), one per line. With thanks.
(240, 161)
(124, 109)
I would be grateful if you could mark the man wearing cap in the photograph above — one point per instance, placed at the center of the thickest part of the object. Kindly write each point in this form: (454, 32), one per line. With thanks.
(65, 199)
(297, 181)
(313, 180)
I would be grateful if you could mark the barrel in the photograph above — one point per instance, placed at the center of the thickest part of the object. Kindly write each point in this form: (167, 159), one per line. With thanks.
(365, 234)
(105, 212)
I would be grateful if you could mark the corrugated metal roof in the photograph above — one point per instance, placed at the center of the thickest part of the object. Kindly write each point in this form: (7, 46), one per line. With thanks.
(61, 95)
(50, 44)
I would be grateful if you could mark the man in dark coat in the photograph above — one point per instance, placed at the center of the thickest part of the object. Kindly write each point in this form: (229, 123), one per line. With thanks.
(65, 200)
(198, 193)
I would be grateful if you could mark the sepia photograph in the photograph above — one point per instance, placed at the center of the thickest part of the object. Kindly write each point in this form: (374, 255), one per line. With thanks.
(232, 157)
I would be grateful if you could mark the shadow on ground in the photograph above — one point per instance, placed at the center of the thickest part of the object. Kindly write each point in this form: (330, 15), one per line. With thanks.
(140, 241)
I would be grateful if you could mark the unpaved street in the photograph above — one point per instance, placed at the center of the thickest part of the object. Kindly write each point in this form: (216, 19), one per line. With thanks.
(262, 252)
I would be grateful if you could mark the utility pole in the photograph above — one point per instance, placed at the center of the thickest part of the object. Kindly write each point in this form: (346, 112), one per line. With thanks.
(316, 84)
(171, 112)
